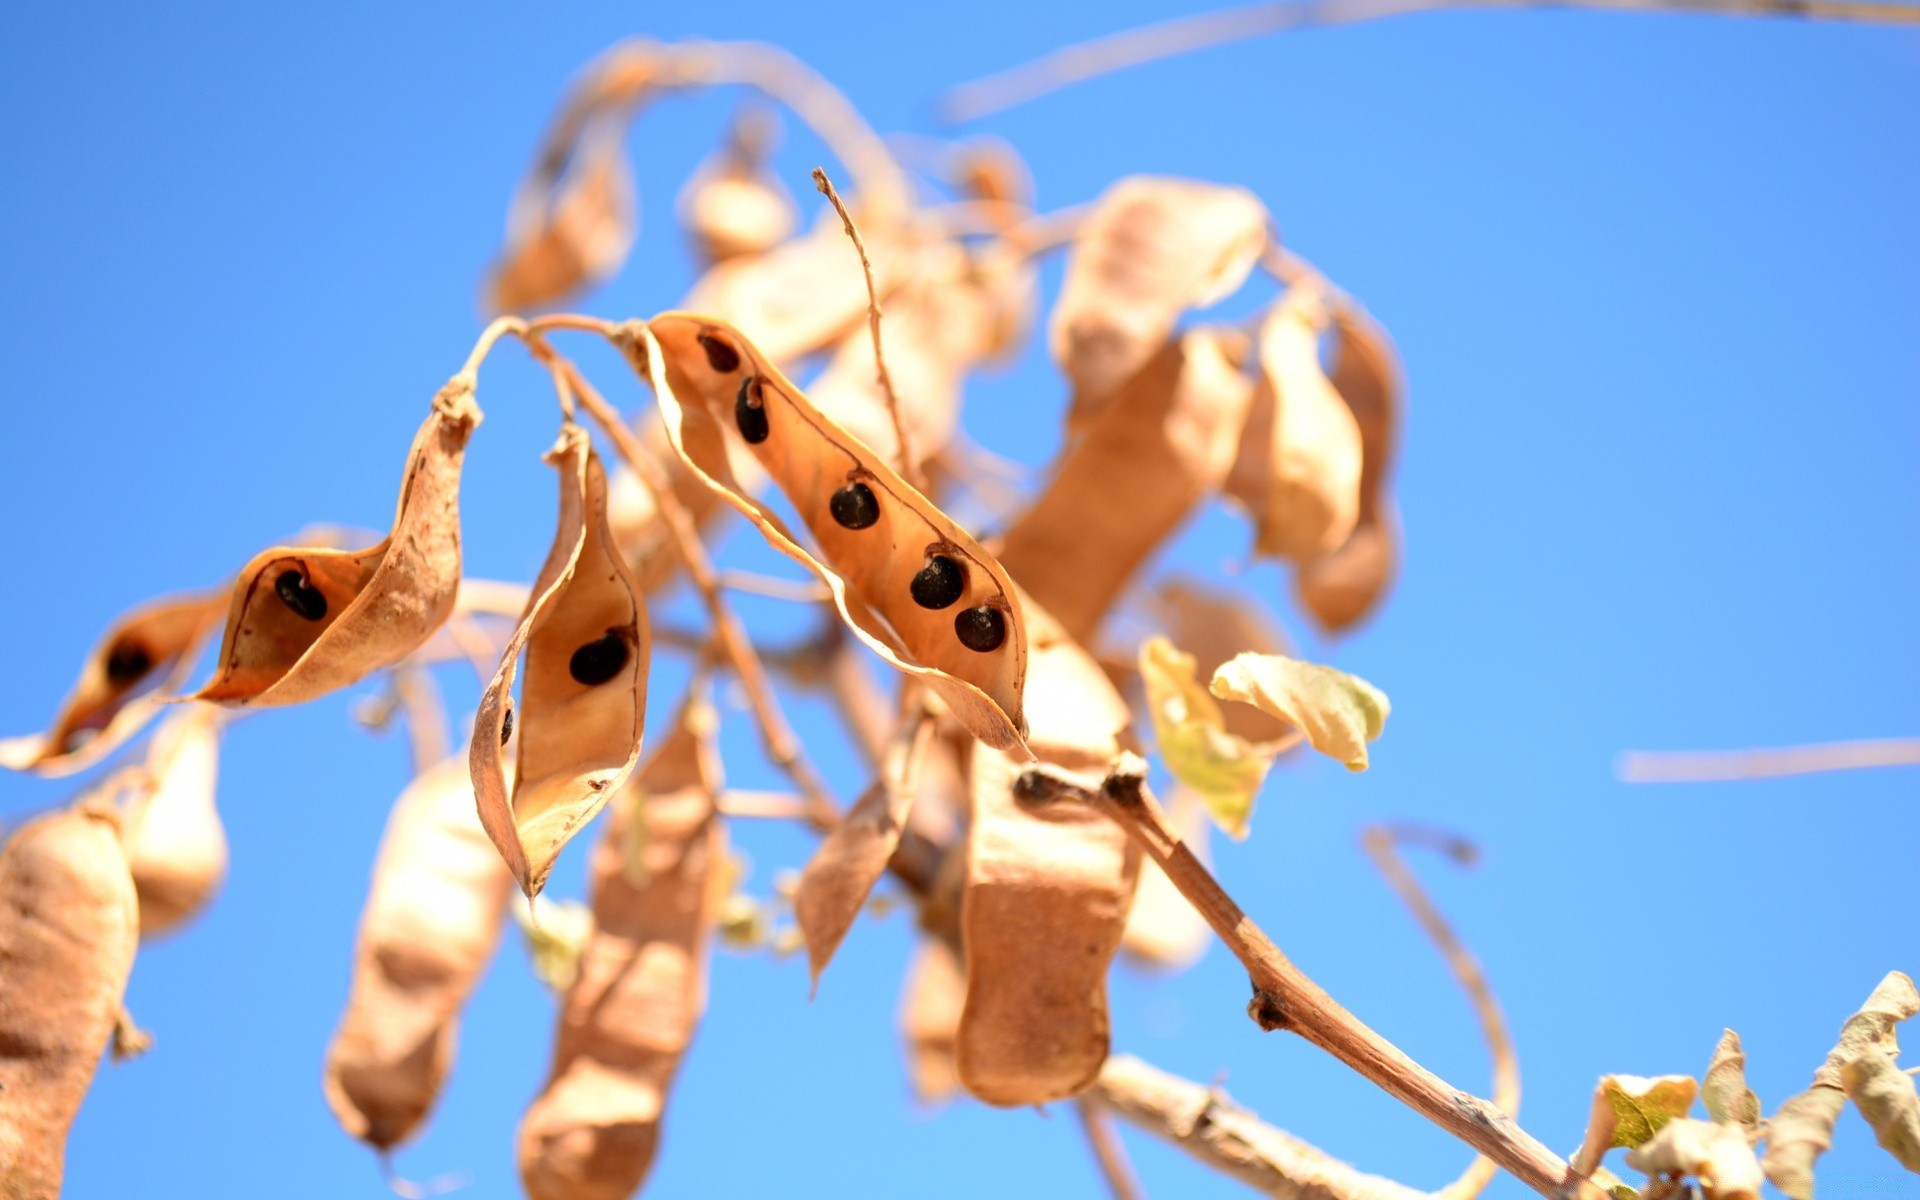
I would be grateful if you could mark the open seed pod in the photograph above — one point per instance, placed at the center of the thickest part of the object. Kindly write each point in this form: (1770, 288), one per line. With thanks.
(176, 845)
(581, 708)
(908, 581)
(144, 656)
(302, 622)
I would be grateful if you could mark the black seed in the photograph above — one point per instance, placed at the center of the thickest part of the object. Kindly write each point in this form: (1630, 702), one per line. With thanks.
(600, 660)
(854, 506)
(939, 583)
(506, 727)
(750, 412)
(127, 662)
(721, 356)
(300, 596)
(981, 629)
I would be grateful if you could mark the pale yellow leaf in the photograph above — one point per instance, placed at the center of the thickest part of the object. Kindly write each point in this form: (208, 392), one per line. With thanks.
(1339, 713)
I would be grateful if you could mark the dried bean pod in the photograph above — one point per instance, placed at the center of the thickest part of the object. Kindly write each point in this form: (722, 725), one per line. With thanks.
(175, 843)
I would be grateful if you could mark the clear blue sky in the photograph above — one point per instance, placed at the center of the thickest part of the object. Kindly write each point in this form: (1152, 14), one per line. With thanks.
(1657, 283)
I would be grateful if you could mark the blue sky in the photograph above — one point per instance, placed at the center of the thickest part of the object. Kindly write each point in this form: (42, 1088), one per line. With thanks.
(1656, 280)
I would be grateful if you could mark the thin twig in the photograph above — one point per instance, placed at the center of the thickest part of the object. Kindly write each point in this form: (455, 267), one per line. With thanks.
(1283, 996)
(1109, 1154)
(1183, 35)
(1697, 766)
(428, 739)
(909, 468)
(767, 806)
(800, 591)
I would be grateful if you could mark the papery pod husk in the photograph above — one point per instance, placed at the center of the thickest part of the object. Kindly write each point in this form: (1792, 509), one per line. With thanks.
(641, 986)
(867, 570)
(1886, 1097)
(1724, 1088)
(1718, 1155)
(69, 923)
(1158, 448)
(433, 917)
(1164, 931)
(1341, 588)
(930, 1005)
(988, 168)
(575, 232)
(1151, 249)
(175, 843)
(734, 206)
(380, 604)
(1046, 893)
(1215, 624)
(579, 733)
(145, 655)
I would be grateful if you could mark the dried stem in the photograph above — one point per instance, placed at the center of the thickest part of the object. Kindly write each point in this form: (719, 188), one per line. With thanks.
(1640, 766)
(800, 591)
(1109, 1154)
(1183, 35)
(1283, 996)
(428, 739)
(766, 806)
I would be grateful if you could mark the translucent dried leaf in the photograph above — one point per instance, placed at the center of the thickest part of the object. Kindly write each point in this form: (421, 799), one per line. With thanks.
(1156, 451)
(68, 926)
(1213, 624)
(302, 622)
(1150, 249)
(1164, 931)
(582, 706)
(1628, 1110)
(627, 1019)
(1725, 1091)
(1885, 1096)
(1224, 771)
(803, 295)
(1046, 894)
(433, 917)
(930, 1007)
(145, 655)
(572, 233)
(175, 843)
(1339, 713)
(881, 539)
(1717, 1155)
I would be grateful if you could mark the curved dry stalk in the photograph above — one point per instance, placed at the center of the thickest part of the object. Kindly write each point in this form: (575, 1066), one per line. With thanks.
(1109, 1154)
(1710, 766)
(799, 591)
(1184, 35)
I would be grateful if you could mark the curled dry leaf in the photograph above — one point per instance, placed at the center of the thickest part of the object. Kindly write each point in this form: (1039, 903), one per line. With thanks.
(1158, 448)
(433, 917)
(302, 622)
(1728, 1098)
(568, 233)
(1150, 249)
(1717, 1155)
(1164, 930)
(1224, 771)
(1341, 587)
(1213, 624)
(1046, 894)
(175, 843)
(1628, 1110)
(930, 1007)
(909, 582)
(145, 655)
(581, 709)
(734, 206)
(1885, 1096)
(68, 926)
(633, 1007)
(1339, 713)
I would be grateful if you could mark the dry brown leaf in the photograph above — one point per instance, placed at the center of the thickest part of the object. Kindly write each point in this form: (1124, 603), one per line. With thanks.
(1885, 1096)
(1155, 452)
(1628, 1110)
(68, 926)
(627, 1019)
(175, 844)
(930, 1006)
(302, 622)
(1339, 713)
(910, 583)
(1046, 894)
(572, 232)
(1717, 1155)
(1150, 250)
(1164, 931)
(432, 920)
(734, 206)
(1725, 1091)
(145, 655)
(582, 706)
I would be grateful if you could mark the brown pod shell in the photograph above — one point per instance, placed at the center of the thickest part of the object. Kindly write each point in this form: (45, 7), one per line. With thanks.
(570, 234)
(930, 1005)
(302, 622)
(176, 845)
(68, 927)
(634, 1004)
(584, 701)
(433, 917)
(869, 570)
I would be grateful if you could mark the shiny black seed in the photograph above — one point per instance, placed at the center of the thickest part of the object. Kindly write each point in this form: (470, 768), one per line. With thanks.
(598, 661)
(721, 356)
(506, 727)
(854, 506)
(300, 596)
(939, 583)
(750, 412)
(127, 662)
(981, 629)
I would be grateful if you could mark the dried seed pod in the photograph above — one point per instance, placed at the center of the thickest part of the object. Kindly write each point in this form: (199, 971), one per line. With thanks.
(704, 374)
(803, 295)
(641, 985)
(734, 206)
(930, 1007)
(175, 843)
(1342, 587)
(432, 919)
(570, 232)
(68, 926)
(144, 656)
(1046, 894)
(587, 642)
(1156, 451)
(1150, 249)
(638, 527)
(305, 622)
